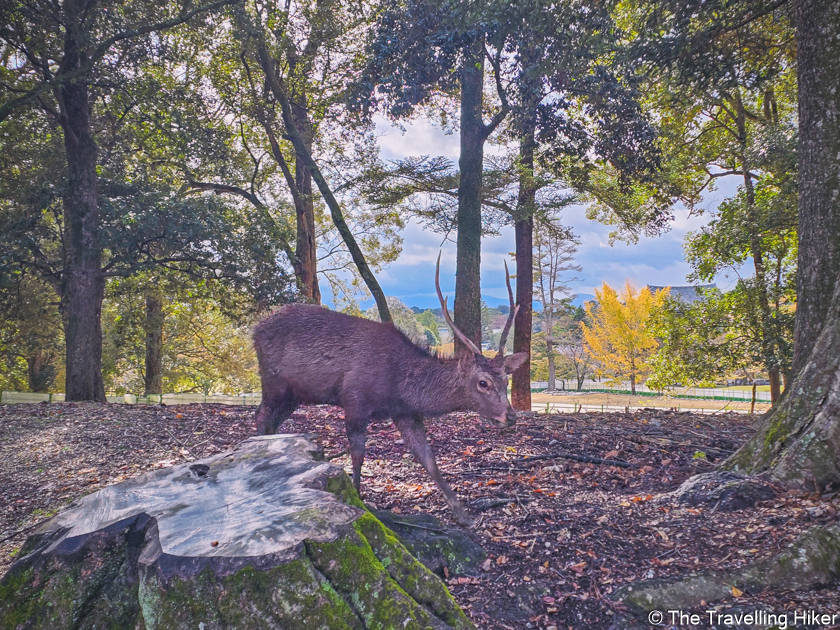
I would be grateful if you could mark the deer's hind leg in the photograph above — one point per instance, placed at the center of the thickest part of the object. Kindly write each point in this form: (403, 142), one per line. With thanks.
(414, 433)
(277, 405)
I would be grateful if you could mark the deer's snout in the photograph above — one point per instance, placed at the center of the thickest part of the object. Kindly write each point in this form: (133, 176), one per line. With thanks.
(509, 419)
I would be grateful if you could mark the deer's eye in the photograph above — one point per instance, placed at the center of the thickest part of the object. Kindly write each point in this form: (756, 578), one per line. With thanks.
(484, 384)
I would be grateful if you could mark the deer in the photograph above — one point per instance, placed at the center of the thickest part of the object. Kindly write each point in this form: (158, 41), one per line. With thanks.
(311, 355)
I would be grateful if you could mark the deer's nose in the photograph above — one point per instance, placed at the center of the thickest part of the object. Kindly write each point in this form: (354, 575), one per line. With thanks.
(510, 418)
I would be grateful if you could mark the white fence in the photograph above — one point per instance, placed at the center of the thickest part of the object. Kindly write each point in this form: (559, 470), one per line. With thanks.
(690, 392)
(254, 399)
(169, 399)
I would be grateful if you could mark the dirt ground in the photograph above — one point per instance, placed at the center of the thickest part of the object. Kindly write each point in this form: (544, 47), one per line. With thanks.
(568, 534)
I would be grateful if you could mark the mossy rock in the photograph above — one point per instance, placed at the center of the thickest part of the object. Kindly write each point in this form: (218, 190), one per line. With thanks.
(436, 546)
(267, 536)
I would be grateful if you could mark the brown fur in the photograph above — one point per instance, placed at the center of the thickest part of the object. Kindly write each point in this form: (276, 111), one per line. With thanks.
(311, 355)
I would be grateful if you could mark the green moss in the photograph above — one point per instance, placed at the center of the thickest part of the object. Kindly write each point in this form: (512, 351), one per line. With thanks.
(92, 584)
(420, 583)
(18, 602)
(292, 595)
(342, 487)
(353, 569)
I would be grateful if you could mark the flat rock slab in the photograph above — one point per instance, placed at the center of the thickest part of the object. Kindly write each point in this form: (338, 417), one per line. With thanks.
(266, 536)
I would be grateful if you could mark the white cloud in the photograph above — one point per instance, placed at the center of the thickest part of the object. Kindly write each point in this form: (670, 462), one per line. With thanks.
(657, 261)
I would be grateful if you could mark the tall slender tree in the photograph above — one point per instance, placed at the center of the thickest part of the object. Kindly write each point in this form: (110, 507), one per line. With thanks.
(422, 50)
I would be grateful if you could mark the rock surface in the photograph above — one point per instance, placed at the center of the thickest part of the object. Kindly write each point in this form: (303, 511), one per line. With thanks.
(725, 491)
(266, 536)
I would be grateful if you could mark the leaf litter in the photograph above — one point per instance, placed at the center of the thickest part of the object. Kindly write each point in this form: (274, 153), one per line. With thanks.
(568, 507)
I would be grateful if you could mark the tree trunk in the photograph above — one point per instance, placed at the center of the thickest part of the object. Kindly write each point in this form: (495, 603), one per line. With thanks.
(768, 328)
(83, 284)
(306, 247)
(154, 345)
(524, 231)
(40, 370)
(798, 443)
(818, 266)
(552, 368)
(471, 164)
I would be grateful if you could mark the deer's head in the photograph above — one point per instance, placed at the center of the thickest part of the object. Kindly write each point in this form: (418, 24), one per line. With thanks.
(485, 379)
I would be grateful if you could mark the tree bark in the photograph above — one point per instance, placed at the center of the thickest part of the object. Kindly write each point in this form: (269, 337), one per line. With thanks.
(83, 284)
(306, 246)
(524, 232)
(798, 443)
(471, 164)
(818, 266)
(153, 379)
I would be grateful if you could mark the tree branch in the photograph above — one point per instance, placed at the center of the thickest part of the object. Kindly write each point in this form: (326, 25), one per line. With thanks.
(9, 106)
(305, 156)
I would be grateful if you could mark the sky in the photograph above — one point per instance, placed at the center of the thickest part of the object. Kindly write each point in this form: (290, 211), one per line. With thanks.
(657, 261)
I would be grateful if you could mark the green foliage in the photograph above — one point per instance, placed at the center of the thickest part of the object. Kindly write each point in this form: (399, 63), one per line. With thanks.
(31, 337)
(699, 345)
(429, 323)
(763, 314)
(404, 319)
(206, 339)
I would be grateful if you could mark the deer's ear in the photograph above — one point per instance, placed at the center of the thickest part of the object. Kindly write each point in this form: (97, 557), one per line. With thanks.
(514, 361)
(466, 361)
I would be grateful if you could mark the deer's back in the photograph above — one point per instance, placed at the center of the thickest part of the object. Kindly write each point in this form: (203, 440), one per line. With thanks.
(319, 352)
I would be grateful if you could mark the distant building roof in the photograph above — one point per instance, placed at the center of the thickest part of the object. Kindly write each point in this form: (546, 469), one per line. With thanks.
(688, 294)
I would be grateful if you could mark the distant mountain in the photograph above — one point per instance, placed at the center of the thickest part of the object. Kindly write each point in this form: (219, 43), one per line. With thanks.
(582, 298)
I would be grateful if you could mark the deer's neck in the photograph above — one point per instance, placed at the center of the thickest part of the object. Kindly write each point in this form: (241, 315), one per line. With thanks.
(432, 386)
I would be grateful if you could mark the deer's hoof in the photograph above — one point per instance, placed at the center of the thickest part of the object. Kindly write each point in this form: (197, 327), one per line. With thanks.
(463, 518)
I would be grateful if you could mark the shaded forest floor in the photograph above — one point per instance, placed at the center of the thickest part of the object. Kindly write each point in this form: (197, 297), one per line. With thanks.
(562, 535)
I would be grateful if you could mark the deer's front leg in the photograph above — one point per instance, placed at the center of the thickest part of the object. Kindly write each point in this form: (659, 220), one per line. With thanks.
(414, 434)
(356, 433)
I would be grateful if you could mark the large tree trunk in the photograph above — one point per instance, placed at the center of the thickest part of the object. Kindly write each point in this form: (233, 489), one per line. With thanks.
(799, 441)
(84, 286)
(524, 231)
(153, 380)
(471, 164)
(818, 42)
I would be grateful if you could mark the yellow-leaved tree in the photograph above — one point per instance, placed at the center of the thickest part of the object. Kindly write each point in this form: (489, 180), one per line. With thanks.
(618, 337)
